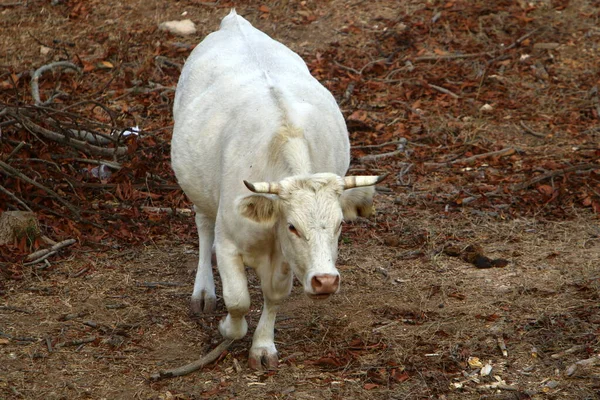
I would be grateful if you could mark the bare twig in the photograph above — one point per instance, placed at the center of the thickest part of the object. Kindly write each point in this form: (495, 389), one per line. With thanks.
(531, 131)
(15, 150)
(450, 57)
(111, 164)
(475, 55)
(376, 146)
(8, 170)
(443, 90)
(14, 197)
(54, 248)
(399, 150)
(16, 309)
(525, 36)
(553, 174)
(499, 153)
(35, 90)
(373, 157)
(13, 4)
(196, 365)
(159, 284)
(17, 338)
(80, 272)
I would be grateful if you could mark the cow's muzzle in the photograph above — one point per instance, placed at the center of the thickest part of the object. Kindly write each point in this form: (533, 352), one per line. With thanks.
(324, 285)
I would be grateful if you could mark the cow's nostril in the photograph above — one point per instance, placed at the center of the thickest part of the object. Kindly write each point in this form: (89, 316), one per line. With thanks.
(325, 283)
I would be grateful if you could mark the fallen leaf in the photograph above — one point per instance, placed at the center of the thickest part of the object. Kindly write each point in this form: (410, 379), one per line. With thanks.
(370, 386)
(105, 65)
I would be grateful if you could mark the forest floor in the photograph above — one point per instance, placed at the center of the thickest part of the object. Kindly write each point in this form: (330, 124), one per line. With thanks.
(484, 252)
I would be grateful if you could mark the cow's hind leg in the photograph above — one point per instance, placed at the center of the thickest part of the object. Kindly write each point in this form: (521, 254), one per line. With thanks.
(203, 296)
(276, 283)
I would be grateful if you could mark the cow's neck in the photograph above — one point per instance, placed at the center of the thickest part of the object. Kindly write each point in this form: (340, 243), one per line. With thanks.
(289, 152)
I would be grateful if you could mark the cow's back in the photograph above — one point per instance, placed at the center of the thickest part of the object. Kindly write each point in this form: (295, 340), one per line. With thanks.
(236, 90)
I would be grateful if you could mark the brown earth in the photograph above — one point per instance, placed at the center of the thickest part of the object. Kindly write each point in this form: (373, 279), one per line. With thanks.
(414, 311)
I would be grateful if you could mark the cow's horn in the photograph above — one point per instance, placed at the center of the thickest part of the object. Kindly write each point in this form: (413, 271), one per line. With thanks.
(358, 181)
(263, 187)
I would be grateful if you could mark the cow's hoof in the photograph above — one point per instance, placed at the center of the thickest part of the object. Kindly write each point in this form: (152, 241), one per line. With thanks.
(203, 304)
(233, 328)
(261, 358)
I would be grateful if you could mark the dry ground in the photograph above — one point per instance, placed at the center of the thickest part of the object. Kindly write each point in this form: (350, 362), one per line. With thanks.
(409, 316)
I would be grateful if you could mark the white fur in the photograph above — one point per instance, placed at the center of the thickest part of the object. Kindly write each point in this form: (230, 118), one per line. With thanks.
(246, 107)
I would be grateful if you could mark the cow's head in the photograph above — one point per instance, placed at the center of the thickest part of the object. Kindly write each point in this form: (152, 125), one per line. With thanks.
(307, 214)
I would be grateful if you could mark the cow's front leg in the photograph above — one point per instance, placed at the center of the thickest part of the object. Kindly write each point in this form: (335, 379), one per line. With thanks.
(276, 283)
(235, 291)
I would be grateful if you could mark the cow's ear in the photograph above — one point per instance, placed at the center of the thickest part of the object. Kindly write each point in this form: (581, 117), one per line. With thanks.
(357, 202)
(259, 208)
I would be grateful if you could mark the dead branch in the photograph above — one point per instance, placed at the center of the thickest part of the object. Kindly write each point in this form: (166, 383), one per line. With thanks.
(78, 342)
(167, 210)
(15, 198)
(563, 353)
(77, 144)
(581, 167)
(399, 150)
(35, 89)
(41, 259)
(92, 137)
(55, 248)
(194, 366)
(499, 153)
(8, 170)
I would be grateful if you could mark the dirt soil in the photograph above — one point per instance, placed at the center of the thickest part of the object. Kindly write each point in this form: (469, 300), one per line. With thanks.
(485, 250)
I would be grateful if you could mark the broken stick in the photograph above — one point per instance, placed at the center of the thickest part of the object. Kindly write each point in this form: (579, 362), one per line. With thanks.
(195, 365)
(44, 252)
(35, 90)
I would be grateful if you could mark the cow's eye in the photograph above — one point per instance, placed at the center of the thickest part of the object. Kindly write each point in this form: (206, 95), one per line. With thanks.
(293, 229)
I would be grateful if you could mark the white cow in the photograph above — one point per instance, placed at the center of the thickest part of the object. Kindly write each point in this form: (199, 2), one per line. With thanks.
(247, 108)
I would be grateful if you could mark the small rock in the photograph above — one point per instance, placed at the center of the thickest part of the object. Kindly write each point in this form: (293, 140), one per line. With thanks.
(182, 28)
(45, 50)
(551, 384)
(486, 108)
(486, 370)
